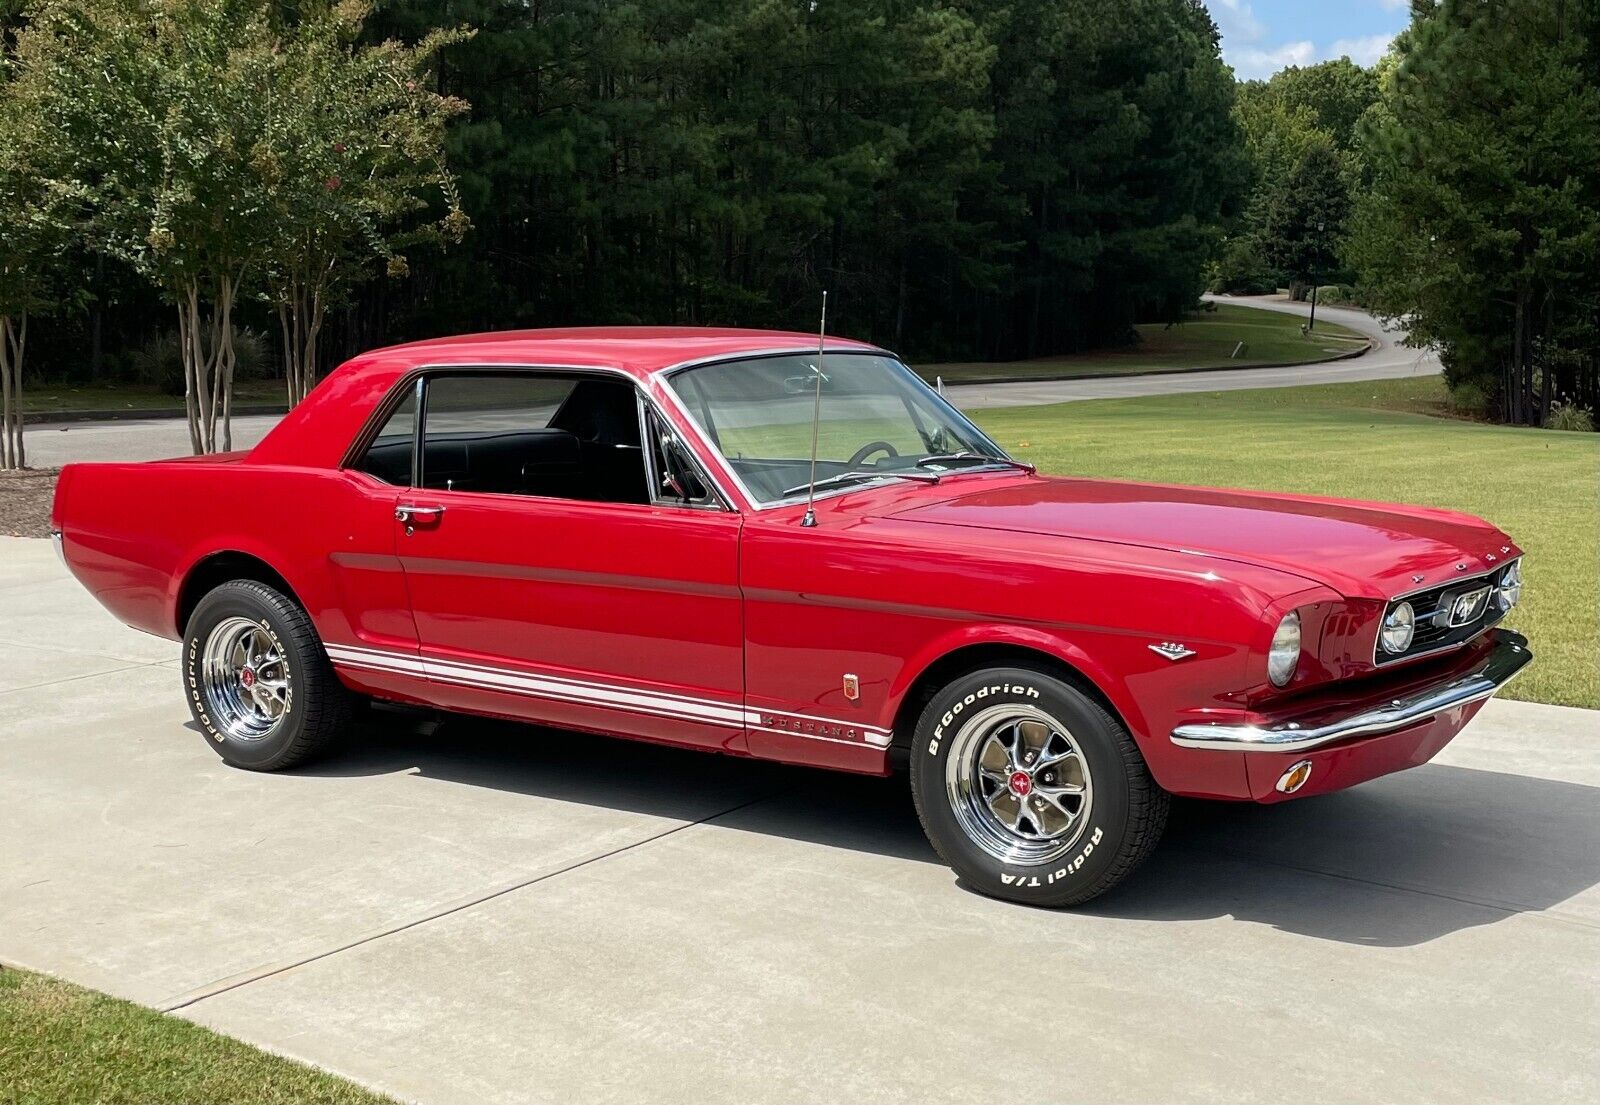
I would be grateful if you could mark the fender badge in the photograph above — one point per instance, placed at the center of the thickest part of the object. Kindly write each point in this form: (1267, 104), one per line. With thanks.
(1172, 650)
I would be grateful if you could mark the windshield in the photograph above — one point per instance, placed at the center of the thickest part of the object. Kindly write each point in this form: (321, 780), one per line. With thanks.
(877, 420)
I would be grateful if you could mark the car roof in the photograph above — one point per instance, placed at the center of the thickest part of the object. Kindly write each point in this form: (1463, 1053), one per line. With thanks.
(318, 431)
(640, 350)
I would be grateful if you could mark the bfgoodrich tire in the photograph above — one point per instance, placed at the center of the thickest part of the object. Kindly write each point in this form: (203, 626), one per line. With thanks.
(1031, 790)
(257, 680)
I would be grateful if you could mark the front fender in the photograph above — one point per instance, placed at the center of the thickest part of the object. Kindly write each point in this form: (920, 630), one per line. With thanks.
(1143, 688)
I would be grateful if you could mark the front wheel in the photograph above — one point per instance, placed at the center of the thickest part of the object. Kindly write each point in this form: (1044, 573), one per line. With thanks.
(1031, 790)
(258, 681)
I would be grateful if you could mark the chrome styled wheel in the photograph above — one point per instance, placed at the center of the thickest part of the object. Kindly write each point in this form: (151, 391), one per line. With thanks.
(1018, 784)
(245, 679)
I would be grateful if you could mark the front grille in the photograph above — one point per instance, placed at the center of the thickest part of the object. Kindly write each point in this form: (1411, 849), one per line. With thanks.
(1433, 609)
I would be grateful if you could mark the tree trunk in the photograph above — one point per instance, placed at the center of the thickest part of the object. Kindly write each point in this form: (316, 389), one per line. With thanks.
(205, 341)
(302, 310)
(13, 345)
(900, 305)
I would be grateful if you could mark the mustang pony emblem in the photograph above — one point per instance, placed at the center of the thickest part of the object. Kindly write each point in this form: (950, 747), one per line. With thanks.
(1466, 607)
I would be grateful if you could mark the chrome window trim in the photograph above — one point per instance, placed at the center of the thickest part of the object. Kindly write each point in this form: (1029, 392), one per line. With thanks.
(664, 375)
(768, 351)
(1378, 655)
(714, 501)
(414, 377)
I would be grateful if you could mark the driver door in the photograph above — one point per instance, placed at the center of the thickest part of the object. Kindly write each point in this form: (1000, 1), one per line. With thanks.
(557, 601)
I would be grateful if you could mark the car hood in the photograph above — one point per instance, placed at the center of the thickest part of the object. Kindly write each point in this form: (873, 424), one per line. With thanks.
(1361, 550)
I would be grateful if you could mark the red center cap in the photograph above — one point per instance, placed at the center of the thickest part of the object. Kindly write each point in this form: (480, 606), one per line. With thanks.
(247, 677)
(1021, 783)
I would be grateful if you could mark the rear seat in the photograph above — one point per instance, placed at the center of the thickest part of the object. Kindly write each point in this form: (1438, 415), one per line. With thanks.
(518, 462)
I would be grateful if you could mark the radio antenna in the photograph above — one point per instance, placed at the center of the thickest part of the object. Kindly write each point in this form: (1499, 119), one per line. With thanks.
(816, 416)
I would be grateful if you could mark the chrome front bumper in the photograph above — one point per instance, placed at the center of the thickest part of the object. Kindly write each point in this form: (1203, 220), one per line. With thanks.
(1510, 656)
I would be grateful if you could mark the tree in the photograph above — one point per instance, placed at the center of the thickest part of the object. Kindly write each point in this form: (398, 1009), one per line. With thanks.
(35, 219)
(351, 162)
(1119, 162)
(1300, 129)
(984, 178)
(229, 146)
(1482, 226)
(157, 109)
(1335, 93)
(1300, 216)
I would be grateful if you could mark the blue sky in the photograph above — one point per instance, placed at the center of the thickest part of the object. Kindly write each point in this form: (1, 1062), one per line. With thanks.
(1259, 37)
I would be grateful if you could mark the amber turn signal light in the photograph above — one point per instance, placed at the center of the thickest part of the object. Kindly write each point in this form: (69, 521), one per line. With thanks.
(1295, 778)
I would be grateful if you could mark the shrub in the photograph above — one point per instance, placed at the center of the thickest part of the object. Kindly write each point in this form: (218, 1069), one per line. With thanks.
(1241, 272)
(159, 361)
(1569, 416)
(253, 355)
(1470, 399)
(1338, 295)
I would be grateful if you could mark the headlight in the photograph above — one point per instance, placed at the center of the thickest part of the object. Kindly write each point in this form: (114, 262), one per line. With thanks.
(1511, 585)
(1285, 652)
(1399, 626)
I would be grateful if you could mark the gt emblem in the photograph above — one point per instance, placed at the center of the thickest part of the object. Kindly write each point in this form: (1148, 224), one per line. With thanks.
(1172, 650)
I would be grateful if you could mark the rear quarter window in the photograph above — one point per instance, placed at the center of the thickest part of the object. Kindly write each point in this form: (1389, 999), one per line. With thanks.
(390, 456)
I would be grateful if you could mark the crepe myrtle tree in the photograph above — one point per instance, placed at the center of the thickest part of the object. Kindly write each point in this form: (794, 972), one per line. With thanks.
(35, 226)
(352, 168)
(155, 110)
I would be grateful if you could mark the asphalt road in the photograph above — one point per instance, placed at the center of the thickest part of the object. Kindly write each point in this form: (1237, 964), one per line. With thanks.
(482, 911)
(52, 444)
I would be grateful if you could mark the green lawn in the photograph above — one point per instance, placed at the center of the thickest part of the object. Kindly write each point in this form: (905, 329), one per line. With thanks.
(1370, 440)
(1205, 340)
(46, 398)
(60, 1042)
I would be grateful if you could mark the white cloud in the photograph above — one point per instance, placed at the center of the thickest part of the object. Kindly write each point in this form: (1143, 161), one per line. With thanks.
(1254, 62)
(1237, 22)
(1365, 50)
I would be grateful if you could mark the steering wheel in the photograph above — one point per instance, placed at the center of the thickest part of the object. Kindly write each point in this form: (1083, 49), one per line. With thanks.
(859, 457)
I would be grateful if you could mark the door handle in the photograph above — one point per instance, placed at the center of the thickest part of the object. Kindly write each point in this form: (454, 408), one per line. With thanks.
(410, 515)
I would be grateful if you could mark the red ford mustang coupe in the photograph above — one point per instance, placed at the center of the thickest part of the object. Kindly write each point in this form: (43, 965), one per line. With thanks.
(609, 530)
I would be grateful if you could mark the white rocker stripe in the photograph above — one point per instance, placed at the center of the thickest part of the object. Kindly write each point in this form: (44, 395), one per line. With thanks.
(560, 689)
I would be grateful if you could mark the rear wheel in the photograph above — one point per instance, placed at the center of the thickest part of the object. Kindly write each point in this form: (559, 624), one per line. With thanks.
(1031, 790)
(258, 681)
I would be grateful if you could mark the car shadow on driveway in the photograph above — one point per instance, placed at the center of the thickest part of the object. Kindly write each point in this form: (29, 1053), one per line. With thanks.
(1399, 861)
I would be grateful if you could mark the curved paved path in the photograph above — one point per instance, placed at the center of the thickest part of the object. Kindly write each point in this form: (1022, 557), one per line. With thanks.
(1389, 360)
(52, 444)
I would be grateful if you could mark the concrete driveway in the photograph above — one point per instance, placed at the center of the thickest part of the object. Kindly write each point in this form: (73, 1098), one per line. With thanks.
(473, 910)
(51, 444)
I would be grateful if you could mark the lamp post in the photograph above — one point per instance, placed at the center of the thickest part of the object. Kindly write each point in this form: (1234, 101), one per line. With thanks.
(1312, 325)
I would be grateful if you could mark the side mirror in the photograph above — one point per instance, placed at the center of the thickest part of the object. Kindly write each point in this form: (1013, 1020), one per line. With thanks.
(670, 482)
(677, 477)
(806, 385)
